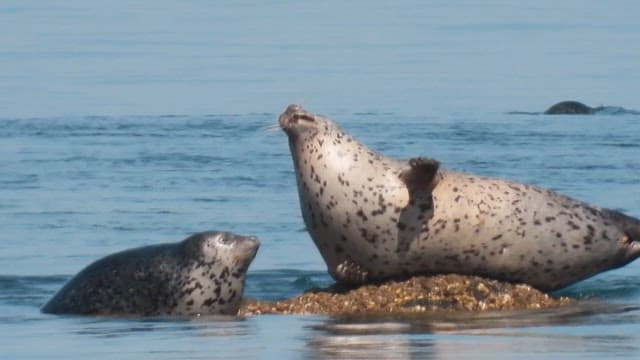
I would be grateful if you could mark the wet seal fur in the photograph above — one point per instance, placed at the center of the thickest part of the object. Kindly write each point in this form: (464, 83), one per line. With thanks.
(201, 275)
(571, 108)
(374, 218)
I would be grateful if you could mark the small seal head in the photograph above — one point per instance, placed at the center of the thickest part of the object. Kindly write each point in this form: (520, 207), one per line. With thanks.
(222, 247)
(201, 275)
(570, 108)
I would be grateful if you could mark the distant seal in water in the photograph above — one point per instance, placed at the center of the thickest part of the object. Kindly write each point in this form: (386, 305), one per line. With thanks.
(201, 275)
(374, 218)
(578, 108)
(571, 107)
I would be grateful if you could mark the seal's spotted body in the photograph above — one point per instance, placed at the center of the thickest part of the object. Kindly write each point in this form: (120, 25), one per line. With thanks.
(374, 218)
(202, 275)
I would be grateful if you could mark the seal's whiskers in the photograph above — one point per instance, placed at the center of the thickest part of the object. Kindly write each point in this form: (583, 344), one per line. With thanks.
(271, 128)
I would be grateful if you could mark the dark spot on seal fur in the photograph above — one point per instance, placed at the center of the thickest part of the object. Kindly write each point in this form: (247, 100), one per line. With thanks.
(573, 225)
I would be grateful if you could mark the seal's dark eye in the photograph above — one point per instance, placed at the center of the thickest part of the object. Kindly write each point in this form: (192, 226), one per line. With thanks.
(225, 239)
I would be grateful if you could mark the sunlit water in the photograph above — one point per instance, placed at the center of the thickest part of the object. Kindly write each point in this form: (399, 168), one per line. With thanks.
(93, 161)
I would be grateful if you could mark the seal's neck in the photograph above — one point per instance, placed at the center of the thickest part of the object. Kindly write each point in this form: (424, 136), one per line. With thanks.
(333, 153)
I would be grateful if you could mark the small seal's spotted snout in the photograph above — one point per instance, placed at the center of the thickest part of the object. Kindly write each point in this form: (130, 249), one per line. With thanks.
(375, 218)
(201, 275)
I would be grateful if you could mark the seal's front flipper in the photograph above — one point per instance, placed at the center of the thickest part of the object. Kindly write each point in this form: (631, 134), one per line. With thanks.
(348, 272)
(420, 179)
(420, 175)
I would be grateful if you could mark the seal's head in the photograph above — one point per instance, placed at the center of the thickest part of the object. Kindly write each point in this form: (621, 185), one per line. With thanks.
(300, 124)
(570, 108)
(218, 263)
(216, 246)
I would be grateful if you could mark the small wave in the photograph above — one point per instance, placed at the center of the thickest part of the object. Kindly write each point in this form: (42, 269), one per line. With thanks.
(126, 127)
(173, 159)
(280, 284)
(523, 113)
(213, 200)
(8, 282)
(606, 287)
(366, 113)
(20, 181)
(29, 290)
(590, 167)
(240, 180)
(615, 110)
(620, 145)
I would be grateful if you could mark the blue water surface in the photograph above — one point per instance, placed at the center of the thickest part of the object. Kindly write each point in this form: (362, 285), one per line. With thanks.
(131, 123)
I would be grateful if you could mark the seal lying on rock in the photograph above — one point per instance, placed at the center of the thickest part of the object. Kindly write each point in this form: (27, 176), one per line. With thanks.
(201, 275)
(374, 218)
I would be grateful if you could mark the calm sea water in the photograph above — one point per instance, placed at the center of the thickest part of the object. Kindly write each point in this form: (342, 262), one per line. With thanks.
(94, 159)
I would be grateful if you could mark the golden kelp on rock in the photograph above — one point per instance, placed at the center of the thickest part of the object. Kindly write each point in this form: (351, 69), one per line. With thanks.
(415, 295)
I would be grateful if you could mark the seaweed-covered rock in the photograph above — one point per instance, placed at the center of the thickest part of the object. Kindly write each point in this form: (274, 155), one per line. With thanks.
(418, 294)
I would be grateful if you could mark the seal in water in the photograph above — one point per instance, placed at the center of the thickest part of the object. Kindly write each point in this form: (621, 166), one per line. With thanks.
(572, 108)
(374, 218)
(201, 275)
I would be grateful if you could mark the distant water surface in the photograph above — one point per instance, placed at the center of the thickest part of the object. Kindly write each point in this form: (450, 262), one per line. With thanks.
(77, 57)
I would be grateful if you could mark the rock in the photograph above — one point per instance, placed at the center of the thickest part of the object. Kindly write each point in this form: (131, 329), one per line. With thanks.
(415, 295)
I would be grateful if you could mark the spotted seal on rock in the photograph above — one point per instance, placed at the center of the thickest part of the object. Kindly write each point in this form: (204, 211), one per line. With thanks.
(201, 275)
(374, 218)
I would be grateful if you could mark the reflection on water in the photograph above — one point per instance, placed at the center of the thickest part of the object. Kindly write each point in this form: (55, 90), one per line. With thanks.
(360, 347)
(564, 331)
(583, 313)
(340, 339)
(209, 326)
